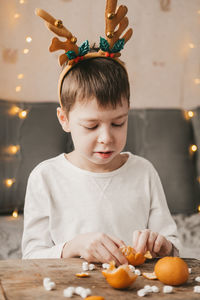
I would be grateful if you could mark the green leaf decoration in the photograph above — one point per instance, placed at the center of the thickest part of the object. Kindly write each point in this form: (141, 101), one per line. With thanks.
(71, 54)
(118, 46)
(84, 48)
(104, 46)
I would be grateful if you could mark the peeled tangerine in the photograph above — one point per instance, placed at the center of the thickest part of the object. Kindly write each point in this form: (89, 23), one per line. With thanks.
(171, 270)
(135, 258)
(119, 278)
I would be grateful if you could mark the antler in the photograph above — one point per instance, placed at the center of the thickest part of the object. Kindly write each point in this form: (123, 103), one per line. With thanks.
(57, 27)
(113, 19)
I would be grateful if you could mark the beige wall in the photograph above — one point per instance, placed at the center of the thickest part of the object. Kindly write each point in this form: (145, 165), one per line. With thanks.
(161, 65)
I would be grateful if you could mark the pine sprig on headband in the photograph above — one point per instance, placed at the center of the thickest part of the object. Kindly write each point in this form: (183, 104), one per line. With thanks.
(118, 46)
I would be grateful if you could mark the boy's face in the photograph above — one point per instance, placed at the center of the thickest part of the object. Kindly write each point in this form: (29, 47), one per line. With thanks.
(99, 134)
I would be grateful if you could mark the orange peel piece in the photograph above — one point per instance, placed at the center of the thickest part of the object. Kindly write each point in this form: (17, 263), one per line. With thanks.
(82, 274)
(149, 275)
(119, 278)
(148, 255)
(94, 298)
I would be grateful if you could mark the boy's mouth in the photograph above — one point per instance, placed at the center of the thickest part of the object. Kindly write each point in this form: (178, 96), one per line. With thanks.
(105, 154)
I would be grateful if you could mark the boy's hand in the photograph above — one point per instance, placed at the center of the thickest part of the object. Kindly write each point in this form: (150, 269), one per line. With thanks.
(95, 247)
(156, 243)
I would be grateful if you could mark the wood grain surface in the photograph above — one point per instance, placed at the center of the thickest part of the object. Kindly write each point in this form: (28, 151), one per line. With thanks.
(23, 279)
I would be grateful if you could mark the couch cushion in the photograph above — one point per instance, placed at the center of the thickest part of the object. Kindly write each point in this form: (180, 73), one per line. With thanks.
(163, 136)
(39, 136)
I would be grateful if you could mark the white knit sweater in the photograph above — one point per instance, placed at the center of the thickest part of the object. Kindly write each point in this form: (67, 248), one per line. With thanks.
(63, 201)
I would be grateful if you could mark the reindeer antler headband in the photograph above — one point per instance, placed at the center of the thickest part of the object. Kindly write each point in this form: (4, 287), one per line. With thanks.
(109, 47)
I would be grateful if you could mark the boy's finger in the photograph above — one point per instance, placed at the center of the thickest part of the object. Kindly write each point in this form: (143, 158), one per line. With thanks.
(158, 243)
(142, 241)
(105, 256)
(136, 235)
(114, 250)
(118, 242)
(151, 240)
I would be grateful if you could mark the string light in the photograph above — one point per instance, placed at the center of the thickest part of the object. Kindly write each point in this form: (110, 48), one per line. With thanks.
(199, 208)
(197, 80)
(15, 213)
(9, 182)
(198, 12)
(188, 114)
(191, 45)
(16, 16)
(192, 149)
(13, 149)
(20, 76)
(18, 88)
(21, 1)
(28, 39)
(23, 114)
(26, 51)
(14, 110)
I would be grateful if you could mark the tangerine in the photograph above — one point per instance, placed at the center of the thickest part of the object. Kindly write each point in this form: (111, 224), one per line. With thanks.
(119, 278)
(171, 270)
(134, 258)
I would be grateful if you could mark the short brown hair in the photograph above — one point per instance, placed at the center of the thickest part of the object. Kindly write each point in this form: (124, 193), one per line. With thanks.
(102, 78)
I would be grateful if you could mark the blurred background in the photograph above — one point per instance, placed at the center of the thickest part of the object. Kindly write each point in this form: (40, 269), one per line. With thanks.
(162, 58)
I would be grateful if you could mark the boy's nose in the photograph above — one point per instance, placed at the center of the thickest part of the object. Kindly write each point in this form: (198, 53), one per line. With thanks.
(105, 136)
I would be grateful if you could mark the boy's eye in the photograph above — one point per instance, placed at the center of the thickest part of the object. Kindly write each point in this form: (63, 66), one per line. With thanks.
(91, 128)
(118, 125)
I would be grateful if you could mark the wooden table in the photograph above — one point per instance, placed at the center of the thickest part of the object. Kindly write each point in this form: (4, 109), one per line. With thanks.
(23, 279)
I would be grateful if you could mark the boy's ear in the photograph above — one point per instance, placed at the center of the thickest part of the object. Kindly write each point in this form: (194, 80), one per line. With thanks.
(63, 119)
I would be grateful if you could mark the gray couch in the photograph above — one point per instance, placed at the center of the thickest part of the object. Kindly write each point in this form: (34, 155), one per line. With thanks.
(163, 136)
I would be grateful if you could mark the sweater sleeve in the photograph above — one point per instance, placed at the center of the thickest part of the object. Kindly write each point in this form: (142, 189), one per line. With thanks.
(160, 219)
(36, 240)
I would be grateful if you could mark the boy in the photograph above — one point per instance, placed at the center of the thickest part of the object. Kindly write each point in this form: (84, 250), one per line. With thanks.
(94, 200)
(86, 202)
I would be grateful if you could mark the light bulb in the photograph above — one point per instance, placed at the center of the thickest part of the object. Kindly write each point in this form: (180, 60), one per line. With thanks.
(190, 114)
(16, 16)
(28, 39)
(23, 114)
(15, 213)
(18, 88)
(9, 182)
(20, 76)
(193, 148)
(191, 45)
(197, 80)
(26, 51)
(13, 149)
(14, 110)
